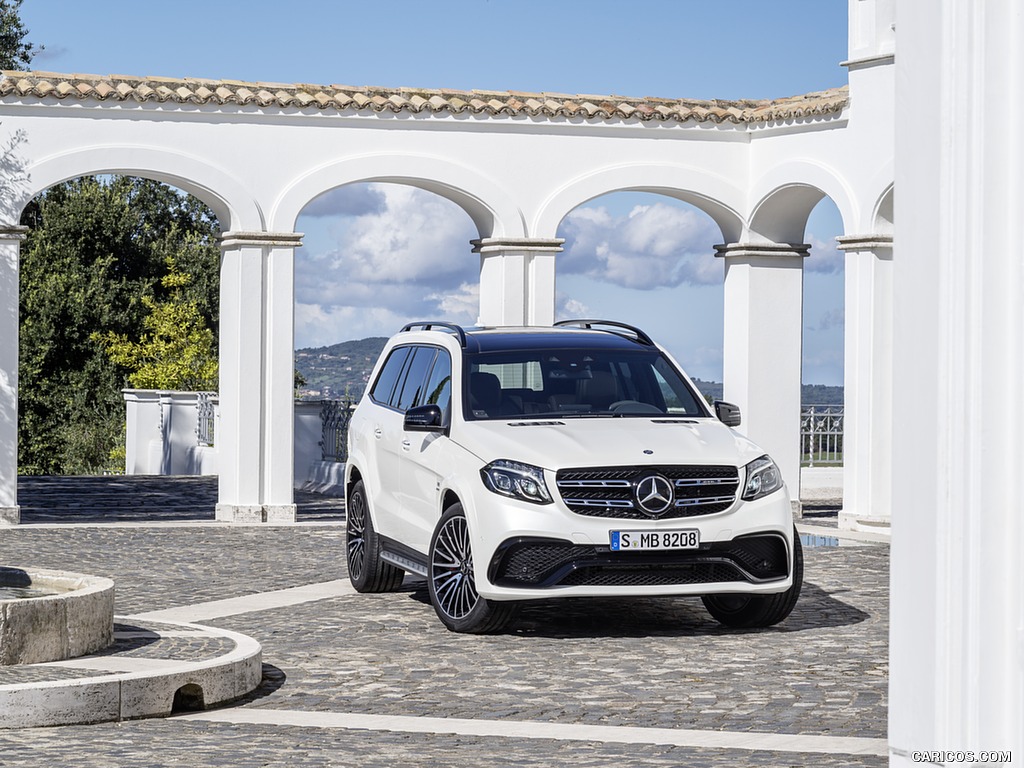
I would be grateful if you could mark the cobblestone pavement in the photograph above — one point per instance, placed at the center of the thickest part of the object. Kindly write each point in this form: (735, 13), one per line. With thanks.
(141, 498)
(644, 663)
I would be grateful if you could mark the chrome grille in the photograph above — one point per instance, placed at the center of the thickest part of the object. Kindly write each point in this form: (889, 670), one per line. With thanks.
(611, 491)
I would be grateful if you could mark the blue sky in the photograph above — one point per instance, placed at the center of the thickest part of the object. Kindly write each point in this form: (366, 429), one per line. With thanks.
(727, 49)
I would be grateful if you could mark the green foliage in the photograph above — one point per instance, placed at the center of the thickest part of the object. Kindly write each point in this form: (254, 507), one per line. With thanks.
(176, 351)
(15, 52)
(95, 249)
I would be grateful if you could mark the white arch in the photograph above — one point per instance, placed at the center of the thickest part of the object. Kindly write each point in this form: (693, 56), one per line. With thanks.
(883, 212)
(786, 195)
(490, 207)
(709, 192)
(233, 205)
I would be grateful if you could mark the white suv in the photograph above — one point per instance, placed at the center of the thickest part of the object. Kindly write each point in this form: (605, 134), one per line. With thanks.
(512, 464)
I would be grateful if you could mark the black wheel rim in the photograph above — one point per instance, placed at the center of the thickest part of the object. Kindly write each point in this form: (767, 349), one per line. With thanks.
(356, 535)
(451, 570)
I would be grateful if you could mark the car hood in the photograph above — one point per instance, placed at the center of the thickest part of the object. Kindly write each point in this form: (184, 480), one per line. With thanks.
(580, 442)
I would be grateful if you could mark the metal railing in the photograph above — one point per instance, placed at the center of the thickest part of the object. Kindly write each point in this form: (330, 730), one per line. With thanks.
(334, 417)
(821, 435)
(205, 411)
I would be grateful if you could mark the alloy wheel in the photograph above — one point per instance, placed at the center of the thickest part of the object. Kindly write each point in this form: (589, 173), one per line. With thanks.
(452, 569)
(355, 535)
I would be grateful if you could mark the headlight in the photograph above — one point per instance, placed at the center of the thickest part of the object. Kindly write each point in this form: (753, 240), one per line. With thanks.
(517, 481)
(763, 477)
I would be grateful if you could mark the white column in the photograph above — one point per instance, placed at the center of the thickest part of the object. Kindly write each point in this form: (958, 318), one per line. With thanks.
(517, 280)
(867, 420)
(279, 361)
(254, 436)
(763, 346)
(10, 247)
(957, 571)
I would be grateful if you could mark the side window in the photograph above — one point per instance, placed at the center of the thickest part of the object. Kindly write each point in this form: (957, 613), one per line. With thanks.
(411, 387)
(439, 386)
(384, 386)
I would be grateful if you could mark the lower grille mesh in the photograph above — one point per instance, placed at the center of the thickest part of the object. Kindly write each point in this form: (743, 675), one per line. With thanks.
(544, 563)
(611, 576)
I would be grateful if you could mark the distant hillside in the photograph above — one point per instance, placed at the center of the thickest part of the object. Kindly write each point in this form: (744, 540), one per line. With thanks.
(345, 367)
(338, 369)
(811, 394)
(711, 390)
(821, 394)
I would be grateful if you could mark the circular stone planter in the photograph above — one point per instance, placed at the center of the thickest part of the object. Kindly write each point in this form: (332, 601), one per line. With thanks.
(75, 620)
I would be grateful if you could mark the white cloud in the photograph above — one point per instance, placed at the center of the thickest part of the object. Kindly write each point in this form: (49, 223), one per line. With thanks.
(316, 326)
(350, 200)
(570, 309)
(833, 318)
(459, 306)
(653, 246)
(417, 236)
(404, 257)
(825, 256)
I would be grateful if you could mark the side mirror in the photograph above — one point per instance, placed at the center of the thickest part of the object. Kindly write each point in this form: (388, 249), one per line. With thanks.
(727, 413)
(424, 418)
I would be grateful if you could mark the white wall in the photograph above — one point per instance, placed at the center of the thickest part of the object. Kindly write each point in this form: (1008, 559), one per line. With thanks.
(957, 597)
(161, 440)
(161, 435)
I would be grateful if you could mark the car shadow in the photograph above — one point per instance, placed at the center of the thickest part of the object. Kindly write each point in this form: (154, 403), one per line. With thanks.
(591, 617)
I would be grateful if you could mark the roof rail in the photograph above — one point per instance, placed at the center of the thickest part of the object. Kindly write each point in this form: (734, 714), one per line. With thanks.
(427, 326)
(642, 337)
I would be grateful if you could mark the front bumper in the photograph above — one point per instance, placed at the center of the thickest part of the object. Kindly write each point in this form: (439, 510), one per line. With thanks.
(525, 551)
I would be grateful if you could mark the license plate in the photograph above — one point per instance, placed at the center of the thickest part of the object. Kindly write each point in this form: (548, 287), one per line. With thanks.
(638, 540)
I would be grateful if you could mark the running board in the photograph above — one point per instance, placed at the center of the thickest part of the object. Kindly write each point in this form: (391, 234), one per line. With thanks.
(405, 563)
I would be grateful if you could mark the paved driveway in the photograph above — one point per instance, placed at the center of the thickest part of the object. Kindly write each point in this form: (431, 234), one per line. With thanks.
(581, 682)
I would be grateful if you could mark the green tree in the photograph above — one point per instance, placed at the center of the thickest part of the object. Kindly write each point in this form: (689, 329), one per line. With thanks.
(15, 52)
(177, 350)
(95, 248)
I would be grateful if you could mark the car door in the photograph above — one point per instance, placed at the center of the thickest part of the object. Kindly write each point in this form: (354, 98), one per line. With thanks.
(425, 458)
(370, 426)
(393, 444)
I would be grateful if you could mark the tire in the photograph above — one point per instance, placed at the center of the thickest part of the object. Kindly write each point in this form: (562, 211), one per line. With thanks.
(747, 611)
(366, 571)
(451, 584)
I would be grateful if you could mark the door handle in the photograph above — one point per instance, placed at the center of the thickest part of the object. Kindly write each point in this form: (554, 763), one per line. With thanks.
(378, 433)
(406, 445)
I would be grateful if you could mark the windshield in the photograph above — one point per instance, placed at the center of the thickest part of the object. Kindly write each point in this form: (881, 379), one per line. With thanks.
(567, 383)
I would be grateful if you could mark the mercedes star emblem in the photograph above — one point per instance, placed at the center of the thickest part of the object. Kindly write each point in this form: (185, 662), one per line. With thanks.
(654, 494)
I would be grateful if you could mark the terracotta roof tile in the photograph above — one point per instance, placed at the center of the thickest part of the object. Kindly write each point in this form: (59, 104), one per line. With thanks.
(123, 88)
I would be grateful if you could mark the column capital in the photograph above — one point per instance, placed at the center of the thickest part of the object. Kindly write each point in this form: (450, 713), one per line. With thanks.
(864, 242)
(762, 250)
(241, 239)
(521, 244)
(13, 232)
